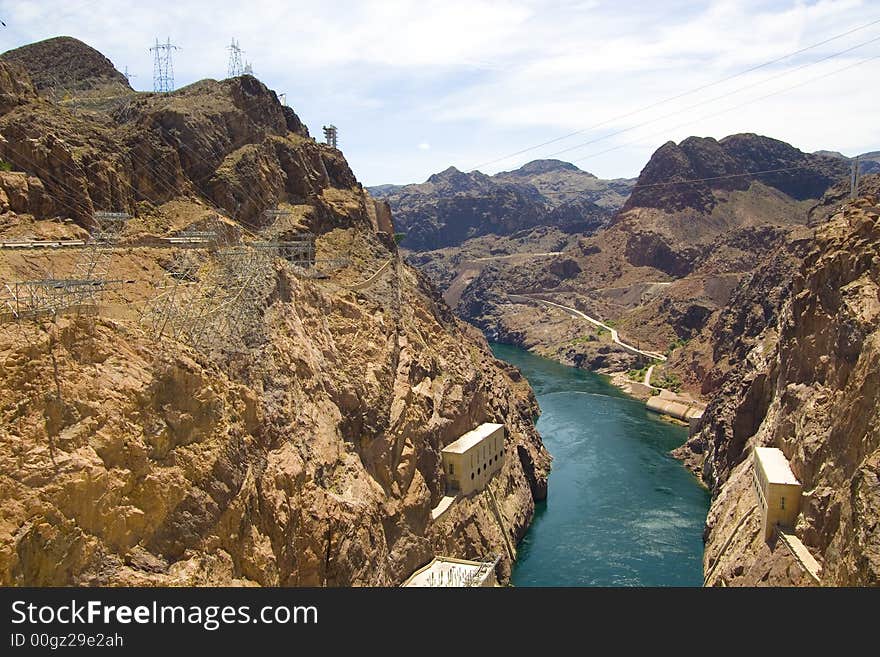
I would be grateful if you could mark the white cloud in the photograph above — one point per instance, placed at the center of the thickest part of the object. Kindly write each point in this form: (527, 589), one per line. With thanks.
(482, 78)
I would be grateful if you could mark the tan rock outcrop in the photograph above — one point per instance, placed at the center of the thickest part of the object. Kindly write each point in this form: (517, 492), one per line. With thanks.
(810, 385)
(308, 454)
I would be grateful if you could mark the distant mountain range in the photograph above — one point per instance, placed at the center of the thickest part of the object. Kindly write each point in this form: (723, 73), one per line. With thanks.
(453, 206)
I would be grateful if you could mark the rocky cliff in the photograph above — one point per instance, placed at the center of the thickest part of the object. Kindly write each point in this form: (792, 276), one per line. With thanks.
(305, 452)
(452, 206)
(799, 346)
(701, 218)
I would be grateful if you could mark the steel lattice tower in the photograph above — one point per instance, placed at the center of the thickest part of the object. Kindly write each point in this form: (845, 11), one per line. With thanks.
(163, 66)
(331, 135)
(236, 68)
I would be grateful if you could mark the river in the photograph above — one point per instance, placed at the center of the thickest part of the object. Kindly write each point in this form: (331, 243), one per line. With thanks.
(620, 511)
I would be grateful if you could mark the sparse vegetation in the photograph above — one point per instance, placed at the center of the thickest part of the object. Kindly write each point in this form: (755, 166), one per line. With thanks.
(637, 375)
(663, 378)
(680, 342)
(5, 166)
(399, 237)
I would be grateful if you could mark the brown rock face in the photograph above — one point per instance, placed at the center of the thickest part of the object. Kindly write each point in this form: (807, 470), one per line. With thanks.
(726, 165)
(306, 453)
(806, 380)
(67, 64)
(230, 142)
(452, 206)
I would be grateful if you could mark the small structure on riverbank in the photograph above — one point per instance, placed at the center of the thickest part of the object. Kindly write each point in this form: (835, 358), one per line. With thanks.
(777, 489)
(451, 572)
(677, 406)
(470, 461)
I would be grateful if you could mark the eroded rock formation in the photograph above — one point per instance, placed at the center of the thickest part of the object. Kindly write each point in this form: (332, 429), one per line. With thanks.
(308, 456)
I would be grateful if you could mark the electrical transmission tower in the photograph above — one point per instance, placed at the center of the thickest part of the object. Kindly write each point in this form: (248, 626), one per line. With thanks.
(163, 66)
(854, 182)
(236, 68)
(248, 68)
(330, 135)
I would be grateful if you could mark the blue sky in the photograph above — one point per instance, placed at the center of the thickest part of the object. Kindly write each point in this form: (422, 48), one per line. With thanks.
(416, 86)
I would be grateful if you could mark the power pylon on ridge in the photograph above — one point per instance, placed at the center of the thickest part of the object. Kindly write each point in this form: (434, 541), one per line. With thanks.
(163, 66)
(248, 69)
(235, 68)
(330, 135)
(854, 181)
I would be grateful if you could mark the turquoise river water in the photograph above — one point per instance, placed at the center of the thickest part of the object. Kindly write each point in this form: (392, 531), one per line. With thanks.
(620, 511)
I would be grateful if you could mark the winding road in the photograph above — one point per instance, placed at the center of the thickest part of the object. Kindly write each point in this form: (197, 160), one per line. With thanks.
(470, 269)
(615, 336)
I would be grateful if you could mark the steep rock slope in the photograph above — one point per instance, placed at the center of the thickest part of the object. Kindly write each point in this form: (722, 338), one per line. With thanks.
(304, 452)
(452, 206)
(668, 262)
(802, 377)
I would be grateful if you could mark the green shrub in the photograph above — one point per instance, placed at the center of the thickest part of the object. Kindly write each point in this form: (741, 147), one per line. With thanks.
(5, 166)
(399, 237)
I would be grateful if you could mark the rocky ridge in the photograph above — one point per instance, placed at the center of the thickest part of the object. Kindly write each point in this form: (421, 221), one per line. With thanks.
(308, 455)
(800, 344)
(453, 206)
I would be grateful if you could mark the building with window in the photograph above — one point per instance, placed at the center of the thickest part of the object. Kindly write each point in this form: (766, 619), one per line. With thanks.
(777, 489)
(470, 461)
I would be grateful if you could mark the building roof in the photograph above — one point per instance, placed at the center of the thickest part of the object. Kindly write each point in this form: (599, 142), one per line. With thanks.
(775, 466)
(447, 571)
(473, 437)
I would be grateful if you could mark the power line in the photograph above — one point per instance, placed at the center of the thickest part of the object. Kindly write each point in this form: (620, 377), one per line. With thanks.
(712, 100)
(724, 177)
(731, 109)
(677, 96)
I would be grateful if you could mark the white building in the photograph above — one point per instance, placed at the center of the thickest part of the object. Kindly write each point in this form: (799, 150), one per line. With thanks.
(470, 461)
(450, 572)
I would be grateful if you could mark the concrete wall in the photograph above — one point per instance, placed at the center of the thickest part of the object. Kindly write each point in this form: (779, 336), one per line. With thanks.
(640, 388)
(676, 409)
(472, 470)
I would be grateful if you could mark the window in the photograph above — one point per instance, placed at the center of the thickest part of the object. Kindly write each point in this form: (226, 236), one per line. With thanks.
(452, 468)
(472, 476)
(782, 503)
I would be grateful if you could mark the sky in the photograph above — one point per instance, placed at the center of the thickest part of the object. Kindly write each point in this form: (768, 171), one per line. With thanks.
(417, 86)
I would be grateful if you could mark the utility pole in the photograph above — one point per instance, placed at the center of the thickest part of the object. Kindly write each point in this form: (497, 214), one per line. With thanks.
(163, 66)
(235, 66)
(854, 183)
(330, 135)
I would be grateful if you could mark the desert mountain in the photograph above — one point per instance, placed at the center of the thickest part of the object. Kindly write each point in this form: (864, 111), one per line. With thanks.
(796, 360)
(64, 64)
(453, 206)
(287, 434)
(868, 162)
(669, 258)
